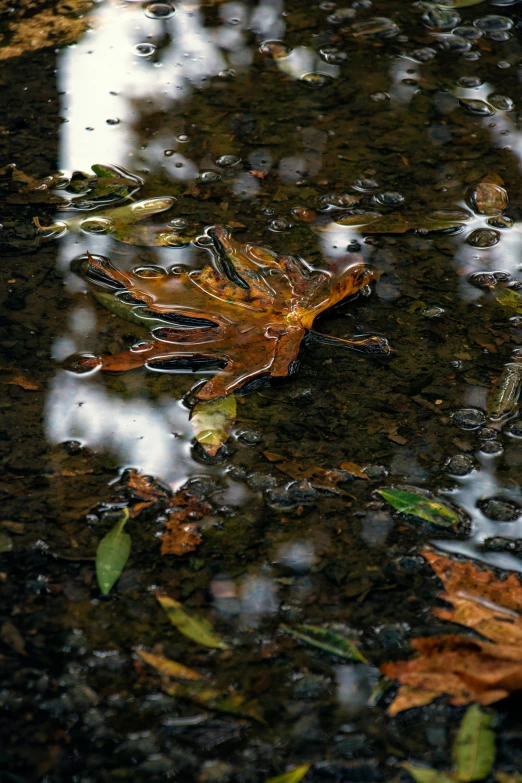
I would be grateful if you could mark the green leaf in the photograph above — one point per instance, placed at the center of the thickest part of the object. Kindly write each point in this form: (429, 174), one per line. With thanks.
(326, 640)
(294, 775)
(229, 701)
(509, 299)
(503, 396)
(112, 554)
(474, 747)
(426, 775)
(197, 629)
(212, 422)
(459, 3)
(417, 503)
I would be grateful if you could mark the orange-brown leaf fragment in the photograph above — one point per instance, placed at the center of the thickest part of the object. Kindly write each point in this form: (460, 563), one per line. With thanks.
(179, 536)
(462, 668)
(322, 478)
(354, 470)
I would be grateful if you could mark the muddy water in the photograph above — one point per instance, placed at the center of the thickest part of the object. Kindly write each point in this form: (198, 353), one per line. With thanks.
(244, 112)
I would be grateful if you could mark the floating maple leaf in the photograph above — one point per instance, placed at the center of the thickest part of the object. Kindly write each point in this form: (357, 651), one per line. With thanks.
(466, 669)
(249, 311)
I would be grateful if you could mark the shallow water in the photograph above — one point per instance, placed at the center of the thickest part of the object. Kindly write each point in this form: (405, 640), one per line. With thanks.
(287, 104)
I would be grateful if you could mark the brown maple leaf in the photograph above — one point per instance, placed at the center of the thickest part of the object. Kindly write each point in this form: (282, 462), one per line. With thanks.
(463, 668)
(249, 311)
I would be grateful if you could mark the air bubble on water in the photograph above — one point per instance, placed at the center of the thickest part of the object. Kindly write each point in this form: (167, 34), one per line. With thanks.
(97, 225)
(331, 54)
(142, 345)
(483, 238)
(173, 240)
(468, 418)
(144, 49)
(279, 224)
(379, 26)
(471, 56)
(491, 447)
(316, 79)
(476, 106)
(493, 23)
(82, 363)
(379, 97)
(112, 121)
(226, 161)
(468, 31)
(499, 509)
(338, 200)
(441, 18)
(501, 35)
(515, 428)
(159, 11)
(178, 223)
(168, 153)
(182, 138)
(459, 465)
(432, 312)
(516, 322)
(470, 82)
(203, 241)
(503, 64)
(365, 185)
(424, 55)
(209, 176)
(456, 44)
(501, 102)
(390, 198)
(341, 15)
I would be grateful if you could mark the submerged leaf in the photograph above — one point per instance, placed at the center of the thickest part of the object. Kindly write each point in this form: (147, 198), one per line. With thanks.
(322, 478)
(508, 298)
(197, 629)
(168, 667)
(228, 701)
(112, 554)
(326, 640)
(474, 747)
(212, 422)
(417, 503)
(294, 775)
(503, 396)
(427, 775)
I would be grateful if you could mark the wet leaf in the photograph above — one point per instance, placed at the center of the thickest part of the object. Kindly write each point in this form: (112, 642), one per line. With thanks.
(474, 746)
(11, 636)
(354, 470)
(112, 554)
(503, 397)
(180, 535)
(197, 629)
(508, 298)
(322, 478)
(168, 667)
(228, 701)
(417, 503)
(466, 669)
(212, 422)
(327, 640)
(249, 312)
(426, 775)
(294, 775)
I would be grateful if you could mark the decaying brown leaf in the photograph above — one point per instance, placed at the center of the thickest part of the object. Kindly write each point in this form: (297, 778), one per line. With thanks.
(354, 470)
(249, 312)
(322, 478)
(17, 379)
(463, 668)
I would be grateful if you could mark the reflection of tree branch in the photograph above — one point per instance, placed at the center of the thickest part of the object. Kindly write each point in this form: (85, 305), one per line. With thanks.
(34, 25)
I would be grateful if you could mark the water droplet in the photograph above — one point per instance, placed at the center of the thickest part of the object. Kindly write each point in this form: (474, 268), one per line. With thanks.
(379, 26)
(178, 223)
(516, 321)
(341, 15)
(173, 240)
(178, 269)
(483, 238)
(501, 102)
(82, 363)
(169, 153)
(97, 225)
(203, 241)
(304, 214)
(390, 198)
(468, 418)
(491, 447)
(378, 97)
(442, 18)
(493, 23)
(469, 32)
(144, 49)
(142, 345)
(159, 11)
(470, 81)
(112, 121)
(476, 106)
(149, 271)
(365, 185)
(209, 176)
(432, 312)
(501, 35)
(316, 79)
(503, 64)
(515, 428)
(424, 55)
(226, 161)
(279, 224)
(268, 211)
(182, 138)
